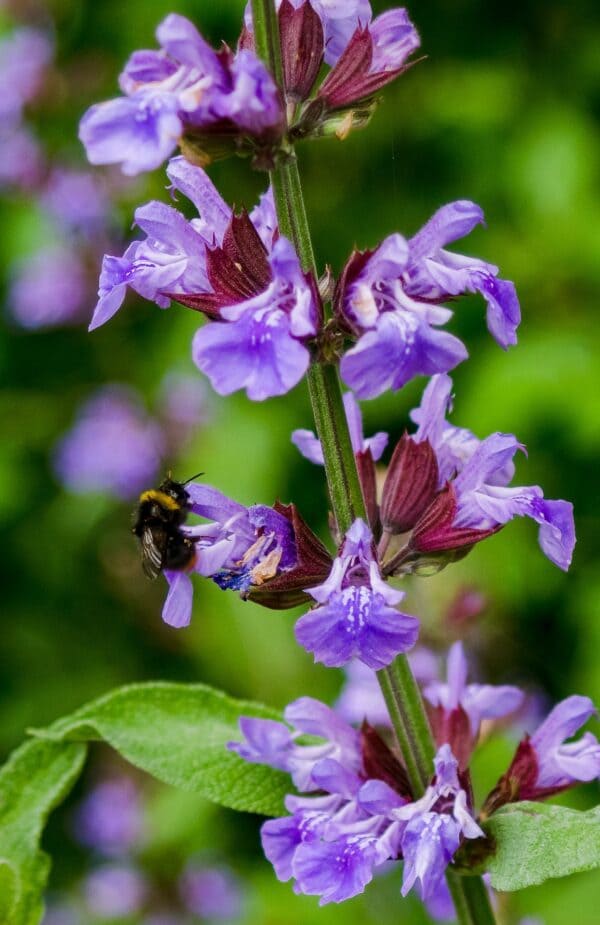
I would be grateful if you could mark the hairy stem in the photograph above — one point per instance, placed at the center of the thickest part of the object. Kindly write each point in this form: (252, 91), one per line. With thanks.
(405, 705)
(401, 692)
(471, 900)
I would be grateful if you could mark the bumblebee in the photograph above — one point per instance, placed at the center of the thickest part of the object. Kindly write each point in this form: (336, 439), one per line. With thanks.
(157, 522)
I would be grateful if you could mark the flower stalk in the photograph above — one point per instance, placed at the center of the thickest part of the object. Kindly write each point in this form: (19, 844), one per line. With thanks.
(398, 685)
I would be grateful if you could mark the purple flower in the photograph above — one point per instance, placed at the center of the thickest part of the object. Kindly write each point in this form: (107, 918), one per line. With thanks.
(546, 763)
(171, 259)
(211, 892)
(478, 701)
(184, 87)
(78, 200)
(389, 298)
(332, 842)
(435, 826)
(478, 500)
(335, 871)
(340, 19)
(115, 891)
(273, 743)
(24, 56)
(21, 158)
(110, 818)
(50, 288)
(355, 614)
(560, 763)
(397, 335)
(361, 696)
(239, 548)
(434, 273)
(235, 269)
(375, 54)
(310, 445)
(260, 348)
(113, 446)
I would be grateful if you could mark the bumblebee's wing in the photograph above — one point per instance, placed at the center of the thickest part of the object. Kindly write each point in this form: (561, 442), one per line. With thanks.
(153, 541)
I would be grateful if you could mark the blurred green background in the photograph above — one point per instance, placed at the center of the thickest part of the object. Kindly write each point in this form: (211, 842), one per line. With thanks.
(502, 111)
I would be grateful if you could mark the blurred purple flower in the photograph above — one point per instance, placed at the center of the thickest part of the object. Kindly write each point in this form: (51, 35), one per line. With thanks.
(355, 614)
(110, 818)
(49, 288)
(186, 86)
(184, 406)
(25, 54)
(211, 892)
(115, 891)
(59, 912)
(21, 158)
(78, 200)
(113, 446)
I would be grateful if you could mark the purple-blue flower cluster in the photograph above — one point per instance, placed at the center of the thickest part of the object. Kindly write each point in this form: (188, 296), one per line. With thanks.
(358, 804)
(356, 615)
(356, 809)
(25, 54)
(349, 822)
(240, 548)
(473, 481)
(185, 87)
(237, 270)
(390, 300)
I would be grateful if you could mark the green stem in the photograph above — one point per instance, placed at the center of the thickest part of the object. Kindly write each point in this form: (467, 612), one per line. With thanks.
(401, 692)
(405, 705)
(471, 900)
(266, 37)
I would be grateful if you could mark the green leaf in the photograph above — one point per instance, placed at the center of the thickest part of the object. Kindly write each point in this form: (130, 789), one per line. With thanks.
(36, 777)
(179, 733)
(535, 842)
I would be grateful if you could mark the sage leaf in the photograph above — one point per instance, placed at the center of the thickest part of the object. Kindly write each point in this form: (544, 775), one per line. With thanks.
(535, 842)
(178, 733)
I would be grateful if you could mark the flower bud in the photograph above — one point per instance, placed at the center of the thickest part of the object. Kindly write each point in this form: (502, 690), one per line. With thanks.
(302, 45)
(410, 485)
(434, 531)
